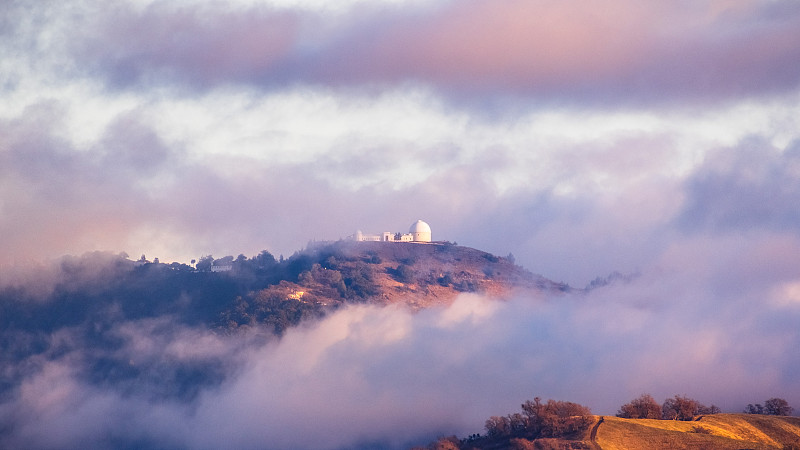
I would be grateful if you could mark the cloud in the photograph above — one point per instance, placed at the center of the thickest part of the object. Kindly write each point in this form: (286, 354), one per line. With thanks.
(64, 195)
(368, 375)
(200, 45)
(185, 130)
(550, 189)
(622, 53)
(129, 144)
(651, 138)
(751, 186)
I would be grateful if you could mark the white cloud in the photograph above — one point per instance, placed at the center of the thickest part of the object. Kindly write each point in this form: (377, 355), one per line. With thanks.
(387, 376)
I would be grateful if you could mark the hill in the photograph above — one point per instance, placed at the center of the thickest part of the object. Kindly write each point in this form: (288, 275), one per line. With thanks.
(331, 274)
(91, 295)
(420, 275)
(323, 276)
(716, 431)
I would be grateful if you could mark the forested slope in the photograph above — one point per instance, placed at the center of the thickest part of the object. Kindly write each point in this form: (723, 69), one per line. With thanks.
(91, 295)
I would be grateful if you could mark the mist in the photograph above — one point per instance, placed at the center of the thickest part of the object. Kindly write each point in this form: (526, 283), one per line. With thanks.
(370, 375)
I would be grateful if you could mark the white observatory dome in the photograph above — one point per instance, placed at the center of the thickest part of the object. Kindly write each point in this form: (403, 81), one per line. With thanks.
(420, 231)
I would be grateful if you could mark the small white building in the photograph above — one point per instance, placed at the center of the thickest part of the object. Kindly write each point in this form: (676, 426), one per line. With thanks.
(221, 267)
(419, 232)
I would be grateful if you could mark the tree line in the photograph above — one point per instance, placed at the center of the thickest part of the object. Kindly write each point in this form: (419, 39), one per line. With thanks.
(678, 407)
(772, 407)
(684, 408)
(538, 423)
(544, 425)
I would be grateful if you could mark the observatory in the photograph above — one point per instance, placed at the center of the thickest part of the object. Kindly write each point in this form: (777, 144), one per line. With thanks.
(419, 232)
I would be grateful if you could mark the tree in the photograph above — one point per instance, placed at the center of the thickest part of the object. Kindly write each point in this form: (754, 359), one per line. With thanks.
(540, 425)
(497, 426)
(754, 409)
(713, 409)
(265, 259)
(680, 408)
(554, 418)
(517, 423)
(777, 407)
(204, 265)
(643, 407)
(225, 260)
(772, 407)
(533, 410)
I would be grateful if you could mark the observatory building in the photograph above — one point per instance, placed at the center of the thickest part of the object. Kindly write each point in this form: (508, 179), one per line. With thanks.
(419, 232)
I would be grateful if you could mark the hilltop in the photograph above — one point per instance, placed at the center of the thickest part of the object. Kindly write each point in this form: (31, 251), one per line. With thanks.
(419, 275)
(98, 289)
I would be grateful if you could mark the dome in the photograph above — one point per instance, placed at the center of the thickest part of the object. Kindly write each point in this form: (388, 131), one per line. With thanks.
(420, 227)
(420, 231)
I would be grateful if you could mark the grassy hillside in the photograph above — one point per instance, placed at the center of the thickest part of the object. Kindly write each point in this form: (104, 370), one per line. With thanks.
(718, 431)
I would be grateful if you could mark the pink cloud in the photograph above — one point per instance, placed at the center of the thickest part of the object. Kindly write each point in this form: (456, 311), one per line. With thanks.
(515, 42)
(624, 50)
(203, 45)
(625, 46)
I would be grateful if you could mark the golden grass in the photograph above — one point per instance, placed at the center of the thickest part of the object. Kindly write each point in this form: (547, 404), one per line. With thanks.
(719, 431)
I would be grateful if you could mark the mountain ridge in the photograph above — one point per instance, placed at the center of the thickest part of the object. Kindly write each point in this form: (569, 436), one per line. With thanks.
(328, 275)
(319, 278)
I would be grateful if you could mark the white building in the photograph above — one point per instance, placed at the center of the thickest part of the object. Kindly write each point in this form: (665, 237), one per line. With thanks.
(221, 267)
(419, 232)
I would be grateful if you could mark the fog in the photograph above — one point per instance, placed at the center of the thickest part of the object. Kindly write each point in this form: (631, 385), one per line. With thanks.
(370, 375)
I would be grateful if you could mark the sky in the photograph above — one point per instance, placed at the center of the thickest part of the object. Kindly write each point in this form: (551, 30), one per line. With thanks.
(656, 138)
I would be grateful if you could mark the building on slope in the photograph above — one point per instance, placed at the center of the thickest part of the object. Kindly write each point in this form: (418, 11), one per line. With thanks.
(419, 232)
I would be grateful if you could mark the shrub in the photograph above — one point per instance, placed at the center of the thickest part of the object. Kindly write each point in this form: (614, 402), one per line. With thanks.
(404, 273)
